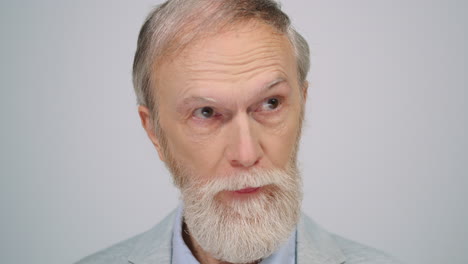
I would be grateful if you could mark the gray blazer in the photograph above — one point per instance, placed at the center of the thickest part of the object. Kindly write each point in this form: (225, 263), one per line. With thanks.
(314, 246)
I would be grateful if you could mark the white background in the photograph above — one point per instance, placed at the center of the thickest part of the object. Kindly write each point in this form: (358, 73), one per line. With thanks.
(384, 154)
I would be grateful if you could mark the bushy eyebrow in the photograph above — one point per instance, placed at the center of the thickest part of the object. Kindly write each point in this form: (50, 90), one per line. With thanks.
(272, 85)
(198, 99)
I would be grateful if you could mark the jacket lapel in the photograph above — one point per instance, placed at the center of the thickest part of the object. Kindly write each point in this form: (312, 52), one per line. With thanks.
(155, 246)
(315, 245)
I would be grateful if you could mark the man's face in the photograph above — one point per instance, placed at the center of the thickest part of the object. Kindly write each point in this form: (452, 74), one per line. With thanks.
(230, 112)
(231, 103)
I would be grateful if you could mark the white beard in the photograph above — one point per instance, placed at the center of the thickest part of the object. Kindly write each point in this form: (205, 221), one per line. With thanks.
(247, 230)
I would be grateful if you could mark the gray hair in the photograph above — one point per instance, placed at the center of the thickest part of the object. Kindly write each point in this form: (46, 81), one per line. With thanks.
(175, 23)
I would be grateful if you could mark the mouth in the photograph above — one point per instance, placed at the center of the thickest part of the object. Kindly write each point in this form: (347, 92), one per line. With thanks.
(248, 190)
(244, 194)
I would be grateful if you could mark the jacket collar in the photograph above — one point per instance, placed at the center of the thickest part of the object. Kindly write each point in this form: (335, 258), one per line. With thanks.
(314, 245)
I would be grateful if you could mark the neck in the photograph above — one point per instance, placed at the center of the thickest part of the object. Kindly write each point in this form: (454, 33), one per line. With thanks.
(201, 255)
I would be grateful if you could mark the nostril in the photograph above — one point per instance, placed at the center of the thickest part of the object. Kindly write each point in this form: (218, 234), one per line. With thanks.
(244, 164)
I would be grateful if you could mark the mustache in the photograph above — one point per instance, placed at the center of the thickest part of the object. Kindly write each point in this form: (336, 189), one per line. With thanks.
(250, 179)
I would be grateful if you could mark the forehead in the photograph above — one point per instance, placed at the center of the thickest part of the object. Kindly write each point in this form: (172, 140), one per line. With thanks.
(243, 53)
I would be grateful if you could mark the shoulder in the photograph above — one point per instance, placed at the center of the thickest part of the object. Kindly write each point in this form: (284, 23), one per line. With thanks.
(315, 243)
(156, 241)
(356, 253)
(117, 253)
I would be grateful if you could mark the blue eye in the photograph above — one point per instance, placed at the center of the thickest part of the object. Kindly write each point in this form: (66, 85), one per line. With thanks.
(271, 104)
(204, 112)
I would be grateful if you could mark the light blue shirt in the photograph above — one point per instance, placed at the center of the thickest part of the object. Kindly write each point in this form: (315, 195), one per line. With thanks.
(181, 254)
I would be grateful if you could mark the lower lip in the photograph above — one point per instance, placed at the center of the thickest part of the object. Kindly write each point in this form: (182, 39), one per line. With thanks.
(247, 190)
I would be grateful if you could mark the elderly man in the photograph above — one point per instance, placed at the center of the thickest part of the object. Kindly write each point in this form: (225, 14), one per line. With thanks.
(221, 88)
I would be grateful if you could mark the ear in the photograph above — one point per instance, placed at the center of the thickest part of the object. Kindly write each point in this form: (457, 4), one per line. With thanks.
(148, 125)
(305, 88)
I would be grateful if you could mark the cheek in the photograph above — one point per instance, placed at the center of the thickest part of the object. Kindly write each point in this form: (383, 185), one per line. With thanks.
(201, 154)
(279, 143)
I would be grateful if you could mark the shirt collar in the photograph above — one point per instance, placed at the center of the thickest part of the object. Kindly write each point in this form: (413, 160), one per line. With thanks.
(181, 254)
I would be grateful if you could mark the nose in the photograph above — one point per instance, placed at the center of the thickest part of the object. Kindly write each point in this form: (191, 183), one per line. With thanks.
(244, 149)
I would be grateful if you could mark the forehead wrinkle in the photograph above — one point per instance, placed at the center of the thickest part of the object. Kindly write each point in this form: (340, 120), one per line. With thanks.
(227, 62)
(226, 75)
(266, 50)
(215, 70)
(244, 58)
(258, 61)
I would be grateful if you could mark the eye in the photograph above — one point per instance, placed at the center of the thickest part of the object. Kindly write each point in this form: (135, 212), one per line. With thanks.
(271, 104)
(204, 112)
